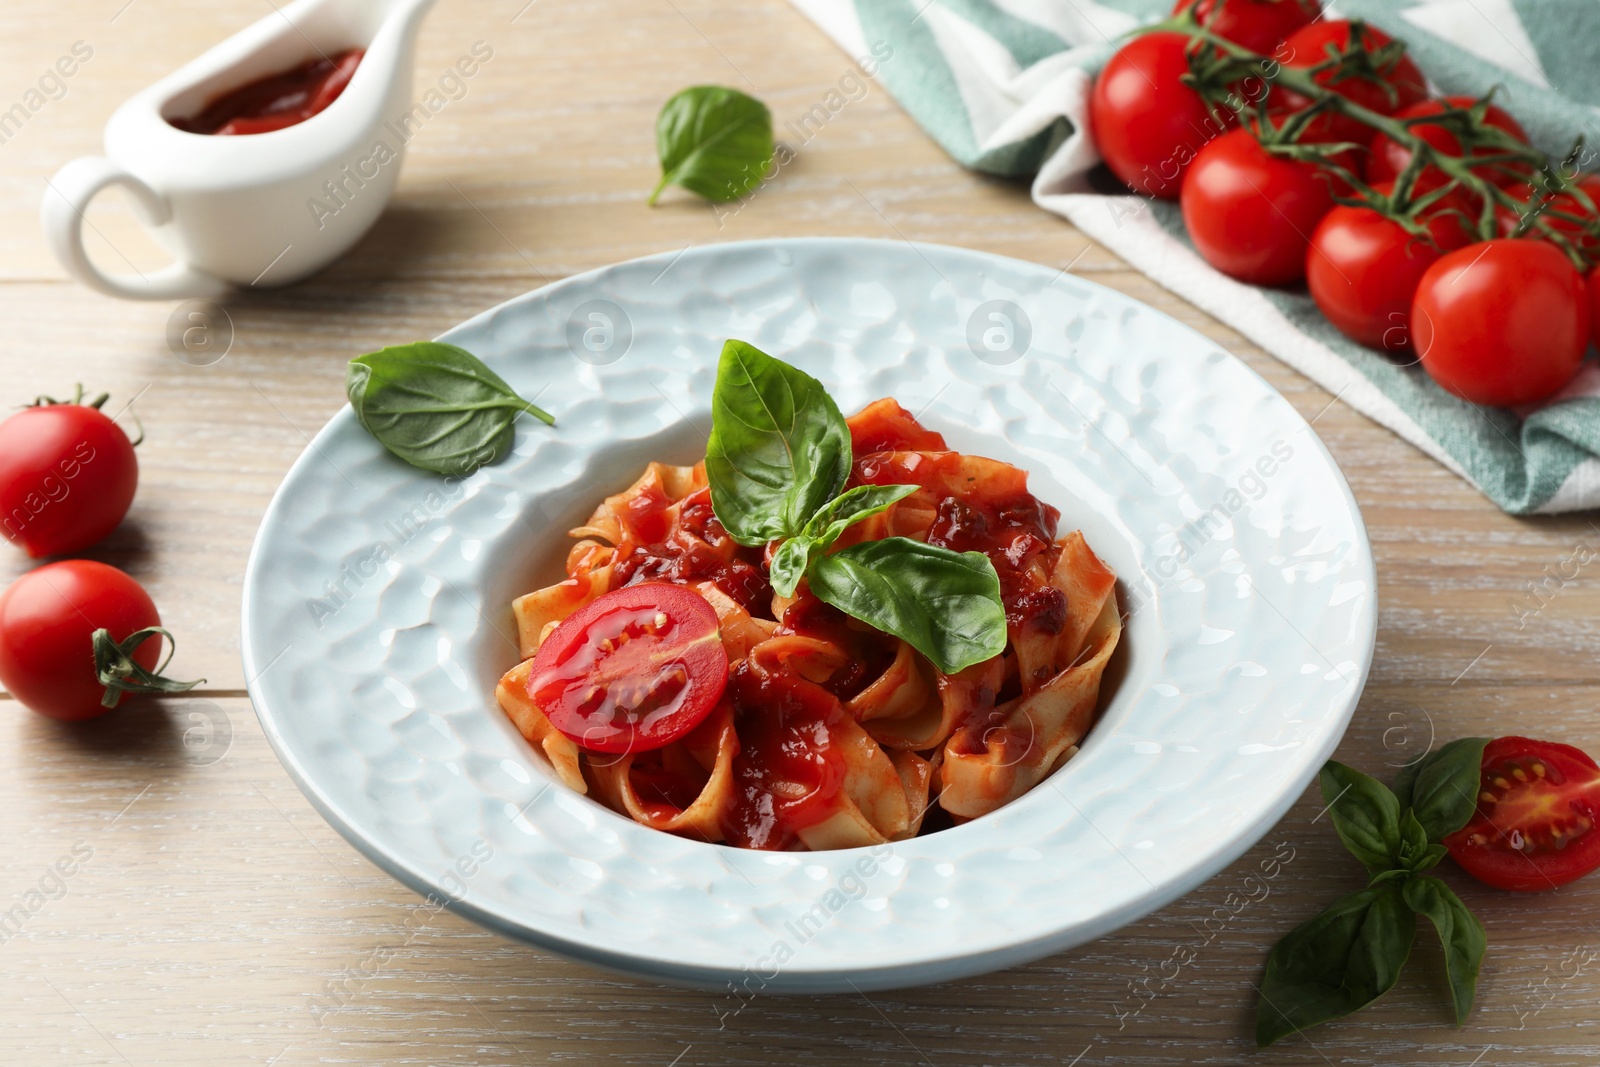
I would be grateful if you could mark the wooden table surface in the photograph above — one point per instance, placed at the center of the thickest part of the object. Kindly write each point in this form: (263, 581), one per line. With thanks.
(210, 905)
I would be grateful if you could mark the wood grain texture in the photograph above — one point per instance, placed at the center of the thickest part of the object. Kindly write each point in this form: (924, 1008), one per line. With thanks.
(217, 907)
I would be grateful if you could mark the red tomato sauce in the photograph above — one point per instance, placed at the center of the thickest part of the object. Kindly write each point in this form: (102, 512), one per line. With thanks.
(697, 549)
(278, 100)
(997, 517)
(786, 773)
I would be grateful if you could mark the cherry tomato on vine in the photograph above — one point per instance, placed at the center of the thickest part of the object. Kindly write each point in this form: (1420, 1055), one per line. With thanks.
(1552, 209)
(1147, 124)
(1502, 322)
(67, 476)
(1259, 25)
(53, 657)
(1594, 304)
(632, 670)
(1534, 827)
(1384, 87)
(1363, 269)
(1250, 213)
(1388, 157)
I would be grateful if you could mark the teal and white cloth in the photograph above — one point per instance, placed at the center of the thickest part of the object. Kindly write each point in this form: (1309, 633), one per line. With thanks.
(1003, 86)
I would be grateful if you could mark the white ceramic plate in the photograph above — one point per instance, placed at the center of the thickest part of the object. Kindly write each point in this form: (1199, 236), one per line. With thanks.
(376, 615)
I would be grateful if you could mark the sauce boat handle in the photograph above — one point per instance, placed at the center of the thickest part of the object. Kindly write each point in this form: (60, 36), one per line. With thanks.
(66, 198)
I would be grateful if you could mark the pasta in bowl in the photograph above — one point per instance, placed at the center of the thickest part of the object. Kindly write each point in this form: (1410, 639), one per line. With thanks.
(831, 633)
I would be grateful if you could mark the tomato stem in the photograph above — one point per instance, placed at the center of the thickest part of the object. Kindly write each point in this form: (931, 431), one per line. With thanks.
(115, 668)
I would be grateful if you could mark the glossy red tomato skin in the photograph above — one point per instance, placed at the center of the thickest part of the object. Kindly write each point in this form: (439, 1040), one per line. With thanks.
(1250, 213)
(1388, 157)
(1594, 304)
(1259, 25)
(1308, 47)
(1147, 125)
(47, 619)
(1502, 322)
(67, 477)
(1534, 828)
(651, 641)
(1363, 270)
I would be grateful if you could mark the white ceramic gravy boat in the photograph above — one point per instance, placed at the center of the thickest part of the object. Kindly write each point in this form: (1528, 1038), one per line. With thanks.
(243, 210)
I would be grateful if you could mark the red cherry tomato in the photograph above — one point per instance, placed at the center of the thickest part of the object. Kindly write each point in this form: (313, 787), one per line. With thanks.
(47, 621)
(1251, 213)
(1384, 88)
(1147, 124)
(1594, 303)
(632, 670)
(1551, 209)
(1259, 25)
(1388, 157)
(67, 476)
(1363, 270)
(1535, 824)
(1502, 322)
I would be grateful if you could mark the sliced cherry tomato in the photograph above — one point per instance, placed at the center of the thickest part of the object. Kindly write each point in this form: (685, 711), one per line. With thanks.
(47, 621)
(1363, 269)
(1384, 87)
(67, 476)
(1259, 25)
(632, 670)
(1535, 824)
(1389, 157)
(1502, 322)
(1147, 124)
(1251, 213)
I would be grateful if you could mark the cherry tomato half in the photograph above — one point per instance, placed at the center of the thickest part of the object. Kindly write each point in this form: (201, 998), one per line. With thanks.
(47, 621)
(1251, 213)
(67, 476)
(1147, 124)
(1502, 322)
(1384, 88)
(1535, 824)
(1363, 270)
(632, 670)
(1259, 25)
(1389, 157)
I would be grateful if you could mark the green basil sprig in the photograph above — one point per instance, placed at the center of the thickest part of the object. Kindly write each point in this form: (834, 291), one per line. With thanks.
(778, 456)
(436, 406)
(713, 141)
(1354, 951)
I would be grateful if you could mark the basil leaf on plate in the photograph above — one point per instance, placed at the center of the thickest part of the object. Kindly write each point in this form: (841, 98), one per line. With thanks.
(1442, 787)
(1462, 935)
(779, 448)
(436, 406)
(796, 554)
(1338, 962)
(944, 604)
(1365, 814)
(713, 141)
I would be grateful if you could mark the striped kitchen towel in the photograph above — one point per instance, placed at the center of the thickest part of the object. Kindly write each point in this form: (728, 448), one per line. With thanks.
(1003, 86)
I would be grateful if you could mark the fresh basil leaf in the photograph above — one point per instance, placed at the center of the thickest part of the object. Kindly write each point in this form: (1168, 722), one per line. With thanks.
(779, 448)
(1413, 840)
(1365, 815)
(1429, 858)
(789, 563)
(1462, 935)
(713, 141)
(1443, 789)
(436, 406)
(1338, 962)
(945, 604)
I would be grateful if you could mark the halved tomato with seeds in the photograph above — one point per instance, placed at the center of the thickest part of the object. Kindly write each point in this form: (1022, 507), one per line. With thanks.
(1534, 829)
(632, 670)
